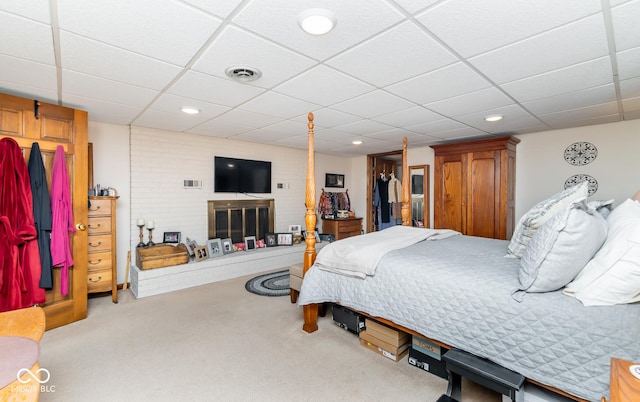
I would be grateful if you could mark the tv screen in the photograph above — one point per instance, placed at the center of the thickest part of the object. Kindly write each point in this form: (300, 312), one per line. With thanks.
(241, 176)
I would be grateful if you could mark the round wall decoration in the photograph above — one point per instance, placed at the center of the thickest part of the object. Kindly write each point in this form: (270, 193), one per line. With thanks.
(579, 178)
(580, 153)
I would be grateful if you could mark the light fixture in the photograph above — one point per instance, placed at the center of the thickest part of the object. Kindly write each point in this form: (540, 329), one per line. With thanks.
(493, 117)
(356, 142)
(190, 110)
(243, 73)
(317, 21)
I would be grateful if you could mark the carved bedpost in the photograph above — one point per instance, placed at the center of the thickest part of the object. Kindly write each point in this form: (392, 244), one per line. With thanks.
(406, 182)
(310, 310)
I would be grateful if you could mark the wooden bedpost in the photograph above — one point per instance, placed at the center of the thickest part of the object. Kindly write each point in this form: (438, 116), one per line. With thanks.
(310, 310)
(406, 183)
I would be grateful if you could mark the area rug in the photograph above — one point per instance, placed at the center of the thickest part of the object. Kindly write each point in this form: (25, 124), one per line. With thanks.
(272, 284)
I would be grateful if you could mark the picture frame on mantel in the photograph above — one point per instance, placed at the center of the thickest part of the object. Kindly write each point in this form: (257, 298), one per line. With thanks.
(334, 180)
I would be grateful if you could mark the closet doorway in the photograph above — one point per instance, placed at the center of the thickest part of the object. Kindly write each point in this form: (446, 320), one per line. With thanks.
(377, 165)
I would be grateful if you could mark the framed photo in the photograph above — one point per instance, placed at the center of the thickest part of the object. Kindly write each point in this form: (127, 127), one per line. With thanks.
(317, 236)
(202, 253)
(215, 248)
(334, 180)
(270, 239)
(260, 243)
(227, 246)
(294, 229)
(285, 239)
(191, 246)
(239, 247)
(171, 237)
(250, 243)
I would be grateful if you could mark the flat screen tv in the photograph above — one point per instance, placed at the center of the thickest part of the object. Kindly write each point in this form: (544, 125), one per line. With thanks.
(233, 175)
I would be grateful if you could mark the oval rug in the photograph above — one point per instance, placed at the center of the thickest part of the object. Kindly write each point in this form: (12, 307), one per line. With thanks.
(272, 284)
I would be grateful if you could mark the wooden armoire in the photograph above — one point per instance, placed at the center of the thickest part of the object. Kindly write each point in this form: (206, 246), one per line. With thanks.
(474, 186)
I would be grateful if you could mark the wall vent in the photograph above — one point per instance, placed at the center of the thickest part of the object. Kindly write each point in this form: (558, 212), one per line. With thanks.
(192, 183)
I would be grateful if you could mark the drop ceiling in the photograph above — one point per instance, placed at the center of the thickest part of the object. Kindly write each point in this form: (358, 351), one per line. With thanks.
(427, 70)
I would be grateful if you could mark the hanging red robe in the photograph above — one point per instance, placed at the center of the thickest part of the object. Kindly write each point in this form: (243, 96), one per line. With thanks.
(62, 219)
(19, 255)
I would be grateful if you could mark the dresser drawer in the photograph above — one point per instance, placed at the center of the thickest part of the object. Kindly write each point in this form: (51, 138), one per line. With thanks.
(100, 207)
(99, 225)
(99, 281)
(350, 226)
(98, 243)
(99, 261)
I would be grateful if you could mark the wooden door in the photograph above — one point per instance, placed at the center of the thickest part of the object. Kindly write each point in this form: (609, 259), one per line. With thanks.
(28, 121)
(483, 201)
(450, 192)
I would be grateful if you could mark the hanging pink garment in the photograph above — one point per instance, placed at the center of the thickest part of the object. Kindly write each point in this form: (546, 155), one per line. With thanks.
(19, 255)
(62, 219)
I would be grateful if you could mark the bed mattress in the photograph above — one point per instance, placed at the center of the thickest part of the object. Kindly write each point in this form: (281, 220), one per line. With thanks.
(458, 291)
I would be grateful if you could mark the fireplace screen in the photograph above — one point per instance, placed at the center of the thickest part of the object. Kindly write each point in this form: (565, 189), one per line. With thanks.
(238, 219)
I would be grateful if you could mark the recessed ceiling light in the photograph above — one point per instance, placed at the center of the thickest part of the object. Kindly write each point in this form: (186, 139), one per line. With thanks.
(190, 110)
(356, 142)
(494, 117)
(317, 21)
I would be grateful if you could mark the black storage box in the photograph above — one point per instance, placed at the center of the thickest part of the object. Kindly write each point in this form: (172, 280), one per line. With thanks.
(348, 319)
(428, 363)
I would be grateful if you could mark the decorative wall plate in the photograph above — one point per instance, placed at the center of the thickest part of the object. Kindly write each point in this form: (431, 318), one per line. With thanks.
(580, 153)
(579, 178)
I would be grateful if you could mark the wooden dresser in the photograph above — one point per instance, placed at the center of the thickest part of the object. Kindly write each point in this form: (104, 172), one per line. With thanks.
(474, 187)
(102, 264)
(343, 227)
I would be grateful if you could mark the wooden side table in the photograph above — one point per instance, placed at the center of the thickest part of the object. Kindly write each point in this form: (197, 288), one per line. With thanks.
(341, 228)
(624, 386)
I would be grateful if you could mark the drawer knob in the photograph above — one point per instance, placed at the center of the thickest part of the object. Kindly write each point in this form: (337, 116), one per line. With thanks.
(95, 280)
(95, 262)
(81, 226)
(94, 226)
(94, 209)
(98, 244)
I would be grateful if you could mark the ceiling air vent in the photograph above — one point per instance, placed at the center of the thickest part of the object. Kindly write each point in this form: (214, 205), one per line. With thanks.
(243, 73)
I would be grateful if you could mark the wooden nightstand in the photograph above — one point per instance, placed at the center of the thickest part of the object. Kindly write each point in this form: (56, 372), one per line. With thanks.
(102, 265)
(343, 227)
(624, 386)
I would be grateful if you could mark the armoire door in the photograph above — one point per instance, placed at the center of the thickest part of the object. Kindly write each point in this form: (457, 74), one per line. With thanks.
(483, 200)
(450, 192)
(28, 121)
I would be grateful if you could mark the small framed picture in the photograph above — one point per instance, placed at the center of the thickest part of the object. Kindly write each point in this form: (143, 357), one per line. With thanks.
(260, 243)
(285, 239)
(191, 246)
(215, 248)
(334, 180)
(317, 236)
(239, 247)
(201, 253)
(227, 246)
(171, 237)
(295, 229)
(250, 243)
(270, 239)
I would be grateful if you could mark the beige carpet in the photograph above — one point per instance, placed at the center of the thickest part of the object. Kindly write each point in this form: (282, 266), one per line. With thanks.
(219, 342)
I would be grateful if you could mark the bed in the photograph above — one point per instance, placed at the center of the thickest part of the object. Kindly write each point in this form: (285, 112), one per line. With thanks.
(462, 292)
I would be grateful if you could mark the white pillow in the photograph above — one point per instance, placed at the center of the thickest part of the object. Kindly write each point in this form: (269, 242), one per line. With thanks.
(560, 249)
(539, 214)
(613, 275)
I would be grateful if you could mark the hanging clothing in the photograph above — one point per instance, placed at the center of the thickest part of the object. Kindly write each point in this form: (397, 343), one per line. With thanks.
(62, 219)
(395, 197)
(41, 213)
(381, 202)
(19, 256)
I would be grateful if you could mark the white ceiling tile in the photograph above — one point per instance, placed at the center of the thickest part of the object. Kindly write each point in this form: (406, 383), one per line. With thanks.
(26, 39)
(413, 6)
(585, 75)
(247, 118)
(400, 53)
(33, 9)
(407, 117)
(323, 86)
(569, 122)
(100, 110)
(446, 82)
(560, 119)
(484, 99)
(572, 100)
(471, 28)
(457, 133)
(166, 121)
(514, 118)
(235, 46)
(327, 118)
(363, 127)
(574, 43)
(216, 128)
(25, 91)
(87, 56)
(173, 104)
(28, 73)
(373, 104)
(220, 8)
(354, 23)
(629, 63)
(275, 104)
(626, 29)
(630, 88)
(163, 29)
(207, 88)
(110, 91)
(434, 128)
(631, 105)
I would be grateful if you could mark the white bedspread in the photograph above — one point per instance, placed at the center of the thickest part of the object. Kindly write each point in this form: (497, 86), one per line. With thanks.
(358, 256)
